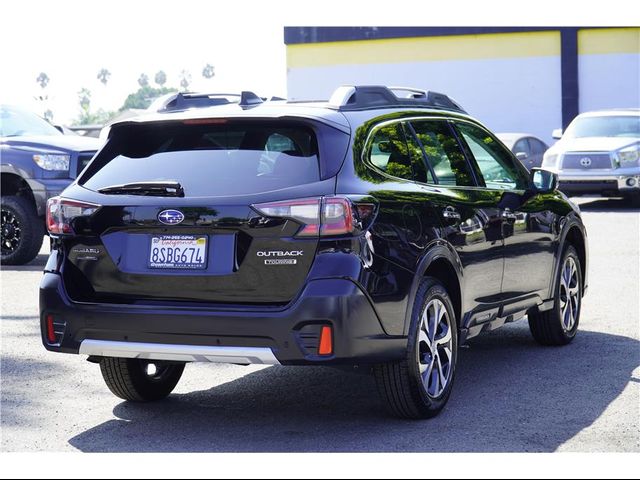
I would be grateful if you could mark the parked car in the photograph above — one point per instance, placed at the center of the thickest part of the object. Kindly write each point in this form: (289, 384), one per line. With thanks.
(599, 154)
(38, 162)
(526, 147)
(383, 228)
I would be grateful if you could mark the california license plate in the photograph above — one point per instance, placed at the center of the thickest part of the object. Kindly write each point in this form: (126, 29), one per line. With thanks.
(183, 252)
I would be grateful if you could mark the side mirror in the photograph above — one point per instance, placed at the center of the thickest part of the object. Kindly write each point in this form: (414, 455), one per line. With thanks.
(557, 134)
(543, 181)
(522, 155)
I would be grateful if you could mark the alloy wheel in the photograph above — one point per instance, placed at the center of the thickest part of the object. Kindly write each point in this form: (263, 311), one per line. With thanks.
(11, 232)
(435, 348)
(569, 294)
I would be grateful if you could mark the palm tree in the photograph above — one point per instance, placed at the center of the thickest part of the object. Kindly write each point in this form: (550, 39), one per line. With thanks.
(160, 78)
(185, 79)
(143, 80)
(208, 71)
(103, 76)
(84, 97)
(43, 80)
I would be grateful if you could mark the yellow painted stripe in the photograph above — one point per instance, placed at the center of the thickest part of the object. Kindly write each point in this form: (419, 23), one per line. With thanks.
(609, 40)
(401, 50)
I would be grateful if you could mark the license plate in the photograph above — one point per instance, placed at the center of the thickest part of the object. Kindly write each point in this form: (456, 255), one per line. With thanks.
(178, 251)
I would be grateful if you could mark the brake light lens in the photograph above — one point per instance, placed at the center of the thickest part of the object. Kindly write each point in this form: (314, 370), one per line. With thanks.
(337, 217)
(305, 211)
(328, 216)
(61, 212)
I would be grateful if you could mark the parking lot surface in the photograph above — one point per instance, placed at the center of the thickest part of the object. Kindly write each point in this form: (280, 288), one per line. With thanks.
(510, 393)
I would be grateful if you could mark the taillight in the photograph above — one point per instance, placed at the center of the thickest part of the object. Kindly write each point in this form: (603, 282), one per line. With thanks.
(305, 211)
(61, 212)
(337, 217)
(323, 216)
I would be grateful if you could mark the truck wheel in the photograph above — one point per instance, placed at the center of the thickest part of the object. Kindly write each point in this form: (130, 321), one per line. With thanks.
(140, 380)
(559, 325)
(419, 386)
(22, 231)
(633, 200)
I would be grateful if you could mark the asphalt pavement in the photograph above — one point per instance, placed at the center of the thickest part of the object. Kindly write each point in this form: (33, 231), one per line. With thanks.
(510, 394)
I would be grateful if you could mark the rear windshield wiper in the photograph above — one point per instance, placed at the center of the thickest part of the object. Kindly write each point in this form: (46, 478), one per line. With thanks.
(152, 189)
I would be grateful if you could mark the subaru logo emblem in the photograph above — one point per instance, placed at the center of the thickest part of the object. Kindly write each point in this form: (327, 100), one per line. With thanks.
(585, 161)
(171, 217)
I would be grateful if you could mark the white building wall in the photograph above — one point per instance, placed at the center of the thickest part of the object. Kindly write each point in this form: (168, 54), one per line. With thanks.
(609, 81)
(506, 94)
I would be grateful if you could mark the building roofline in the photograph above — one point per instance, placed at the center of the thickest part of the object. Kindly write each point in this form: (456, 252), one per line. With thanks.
(302, 35)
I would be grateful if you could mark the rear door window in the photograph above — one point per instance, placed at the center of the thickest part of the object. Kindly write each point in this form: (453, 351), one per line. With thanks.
(389, 151)
(210, 159)
(443, 153)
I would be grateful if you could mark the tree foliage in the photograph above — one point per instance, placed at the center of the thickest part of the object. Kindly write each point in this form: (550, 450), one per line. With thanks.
(87, 117)
(144, 96)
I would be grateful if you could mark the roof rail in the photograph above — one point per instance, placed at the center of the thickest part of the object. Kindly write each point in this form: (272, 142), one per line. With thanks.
(363, 97)
(186, 100)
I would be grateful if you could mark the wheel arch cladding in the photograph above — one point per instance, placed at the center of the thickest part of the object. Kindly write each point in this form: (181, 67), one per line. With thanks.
(12, 184)
(576, 239)
(442, 269)
(441, 264)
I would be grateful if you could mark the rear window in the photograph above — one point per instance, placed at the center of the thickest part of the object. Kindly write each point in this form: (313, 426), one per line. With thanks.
(209, 160)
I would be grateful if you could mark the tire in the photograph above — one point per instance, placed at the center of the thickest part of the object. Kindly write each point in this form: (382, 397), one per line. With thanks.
(128, 378)
(559, 325)
(633, 200)
(22, 231)
(401, 384)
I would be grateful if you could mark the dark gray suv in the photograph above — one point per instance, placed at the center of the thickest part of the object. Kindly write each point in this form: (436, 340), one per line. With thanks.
(38, 162)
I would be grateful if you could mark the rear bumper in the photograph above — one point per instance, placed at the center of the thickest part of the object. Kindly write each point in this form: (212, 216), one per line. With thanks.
(623, 182)
(288, 336)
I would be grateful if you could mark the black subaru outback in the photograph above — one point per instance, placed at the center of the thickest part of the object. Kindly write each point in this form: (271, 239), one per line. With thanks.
(383, 228)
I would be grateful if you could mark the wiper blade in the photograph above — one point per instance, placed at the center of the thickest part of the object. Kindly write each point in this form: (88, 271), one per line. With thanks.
(152, 189)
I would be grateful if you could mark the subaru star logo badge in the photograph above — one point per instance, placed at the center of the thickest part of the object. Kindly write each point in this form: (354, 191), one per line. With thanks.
(585, 161)
(171, 217)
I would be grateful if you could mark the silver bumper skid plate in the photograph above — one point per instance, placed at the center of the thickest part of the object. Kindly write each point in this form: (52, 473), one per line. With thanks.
(179, 353)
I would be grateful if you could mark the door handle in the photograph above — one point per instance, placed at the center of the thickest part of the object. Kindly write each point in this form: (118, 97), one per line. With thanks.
(508, 215)
(450, 213)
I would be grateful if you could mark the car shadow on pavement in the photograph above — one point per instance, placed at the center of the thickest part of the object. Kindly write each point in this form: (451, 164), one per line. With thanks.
(606, 205)
(37, 264)
(510, 395)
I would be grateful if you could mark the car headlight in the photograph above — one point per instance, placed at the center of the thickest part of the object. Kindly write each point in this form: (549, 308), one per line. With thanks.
(629, 155)
(550, 160)
(49, 161)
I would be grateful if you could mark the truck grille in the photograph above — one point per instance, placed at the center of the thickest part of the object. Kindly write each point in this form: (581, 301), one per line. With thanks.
(83, 159)
(586, 161)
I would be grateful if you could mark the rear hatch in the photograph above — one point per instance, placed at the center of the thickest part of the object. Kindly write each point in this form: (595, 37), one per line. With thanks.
(191, 211)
